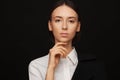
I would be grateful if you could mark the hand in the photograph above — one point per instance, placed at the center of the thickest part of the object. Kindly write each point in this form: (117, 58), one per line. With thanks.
(56, 52)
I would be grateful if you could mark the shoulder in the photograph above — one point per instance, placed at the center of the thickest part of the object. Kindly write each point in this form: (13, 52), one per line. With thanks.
(86, 57)
(91, 63)
(37, 67)
(87, 60)
(39, 62)
(90, 60)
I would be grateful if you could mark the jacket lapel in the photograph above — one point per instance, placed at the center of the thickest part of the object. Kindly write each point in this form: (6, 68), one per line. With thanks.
(81, 72)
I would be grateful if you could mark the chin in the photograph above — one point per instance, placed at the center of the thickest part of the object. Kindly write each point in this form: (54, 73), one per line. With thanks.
(64, 40)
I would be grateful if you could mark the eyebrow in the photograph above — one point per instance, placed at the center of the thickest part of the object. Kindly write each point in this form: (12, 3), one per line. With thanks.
(57, 17)
(72, 17)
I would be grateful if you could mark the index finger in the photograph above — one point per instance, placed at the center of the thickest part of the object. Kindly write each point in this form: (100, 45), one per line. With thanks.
(60, 43)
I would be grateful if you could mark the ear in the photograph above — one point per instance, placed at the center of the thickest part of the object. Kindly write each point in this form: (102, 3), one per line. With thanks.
(49, 25)
(78, 27)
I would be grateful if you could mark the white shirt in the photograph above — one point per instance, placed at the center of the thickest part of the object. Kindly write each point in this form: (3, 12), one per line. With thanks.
(64, 70)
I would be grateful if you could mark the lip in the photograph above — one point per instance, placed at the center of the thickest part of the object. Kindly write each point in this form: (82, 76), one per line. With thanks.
(64, 34)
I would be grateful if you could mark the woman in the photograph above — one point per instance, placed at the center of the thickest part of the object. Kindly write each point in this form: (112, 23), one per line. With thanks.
(63, 62)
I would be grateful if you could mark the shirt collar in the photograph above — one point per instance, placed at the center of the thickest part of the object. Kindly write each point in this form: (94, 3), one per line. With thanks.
(72, 56)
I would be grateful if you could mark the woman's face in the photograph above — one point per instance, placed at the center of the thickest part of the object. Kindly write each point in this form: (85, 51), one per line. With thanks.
(64, 24)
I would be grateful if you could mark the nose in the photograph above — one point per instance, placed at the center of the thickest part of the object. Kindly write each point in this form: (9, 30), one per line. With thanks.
(64, 26)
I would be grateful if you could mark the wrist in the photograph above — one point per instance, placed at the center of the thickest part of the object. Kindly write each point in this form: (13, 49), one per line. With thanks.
(51, 67)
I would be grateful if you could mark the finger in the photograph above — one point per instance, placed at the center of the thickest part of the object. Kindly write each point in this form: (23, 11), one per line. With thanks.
(60, 44)
(63, 49)
(56, 51)
(62, 53)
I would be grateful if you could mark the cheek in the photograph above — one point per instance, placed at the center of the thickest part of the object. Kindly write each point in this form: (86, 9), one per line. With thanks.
(56, 31)
(73, 29)
(72, 33)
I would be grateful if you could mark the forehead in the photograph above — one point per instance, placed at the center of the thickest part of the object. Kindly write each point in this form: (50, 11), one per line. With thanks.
(64, 11)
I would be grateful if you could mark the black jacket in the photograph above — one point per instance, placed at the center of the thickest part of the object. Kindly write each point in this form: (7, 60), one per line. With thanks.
(89, 68)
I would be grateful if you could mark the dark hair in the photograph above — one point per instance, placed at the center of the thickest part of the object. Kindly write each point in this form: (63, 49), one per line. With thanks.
(68, 3)
(72, 5)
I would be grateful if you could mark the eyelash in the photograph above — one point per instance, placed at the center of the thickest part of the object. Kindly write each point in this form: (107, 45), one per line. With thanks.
(71, 21)
(58, 20)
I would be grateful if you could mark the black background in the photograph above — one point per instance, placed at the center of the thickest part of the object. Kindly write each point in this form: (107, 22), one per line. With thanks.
(26, 34)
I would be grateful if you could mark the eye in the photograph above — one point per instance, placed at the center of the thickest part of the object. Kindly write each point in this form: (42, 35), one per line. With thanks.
(57, 20)
(72, 21)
